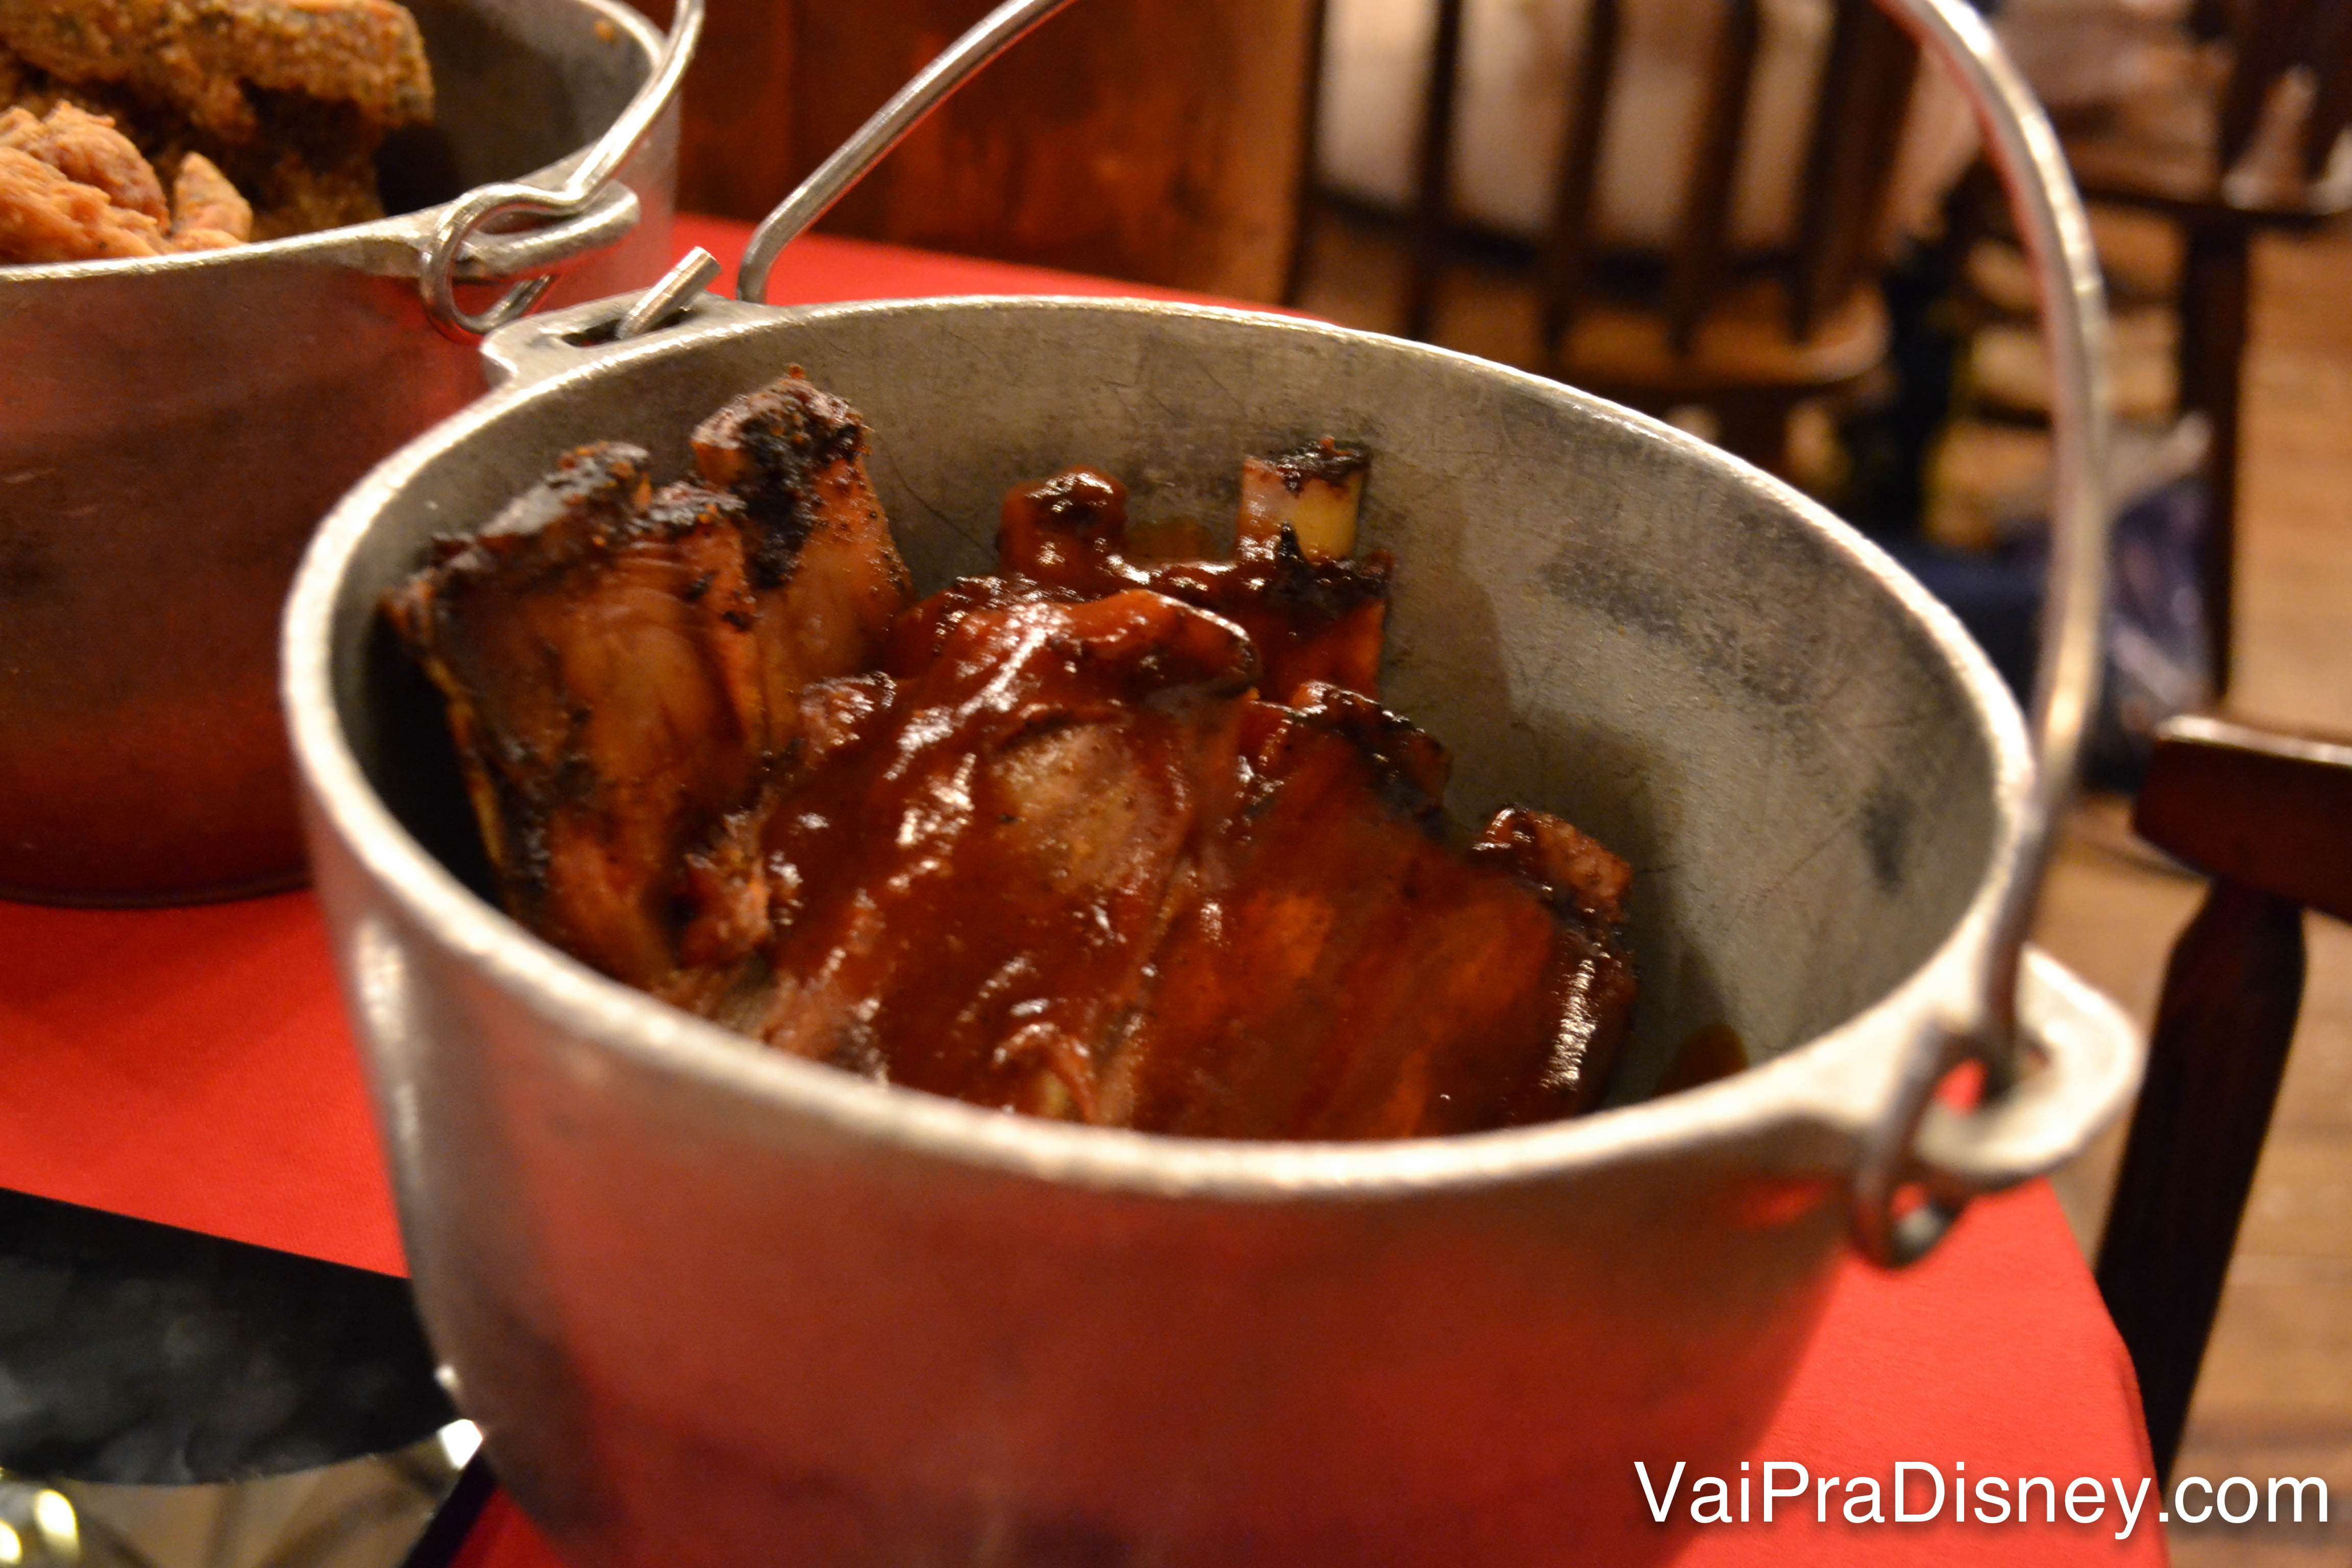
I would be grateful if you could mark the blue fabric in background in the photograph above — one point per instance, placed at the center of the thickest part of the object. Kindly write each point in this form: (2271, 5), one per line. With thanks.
(2156, 661)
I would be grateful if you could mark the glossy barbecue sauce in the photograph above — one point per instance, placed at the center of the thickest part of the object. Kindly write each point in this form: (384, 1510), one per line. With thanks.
(1059, 858)
(1309, 620)
(1103, 837)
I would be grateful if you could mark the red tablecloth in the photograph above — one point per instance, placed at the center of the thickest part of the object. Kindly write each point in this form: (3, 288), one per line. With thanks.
(193, 1066)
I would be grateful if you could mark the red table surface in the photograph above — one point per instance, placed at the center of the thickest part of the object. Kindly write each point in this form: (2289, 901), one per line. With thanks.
(193, 1066)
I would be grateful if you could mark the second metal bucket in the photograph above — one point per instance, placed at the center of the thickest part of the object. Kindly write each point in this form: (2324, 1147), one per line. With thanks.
(172, 430)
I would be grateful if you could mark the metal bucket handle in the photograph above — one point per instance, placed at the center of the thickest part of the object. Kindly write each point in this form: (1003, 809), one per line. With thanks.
(595, 214)
(2019, 1129)
(2023, 1125)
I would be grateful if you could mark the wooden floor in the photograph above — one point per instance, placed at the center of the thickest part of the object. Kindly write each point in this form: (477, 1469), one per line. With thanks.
(2276, 1394)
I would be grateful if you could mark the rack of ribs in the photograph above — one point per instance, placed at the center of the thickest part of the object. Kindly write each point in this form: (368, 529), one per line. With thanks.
(1102, 836)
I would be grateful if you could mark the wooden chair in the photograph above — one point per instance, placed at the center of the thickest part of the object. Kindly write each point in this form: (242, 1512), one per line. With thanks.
(2269, 817)
(2233, 152)
(1747, 337)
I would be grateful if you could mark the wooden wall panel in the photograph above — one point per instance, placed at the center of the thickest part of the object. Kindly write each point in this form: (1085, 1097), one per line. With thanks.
(1155, 139)
(737, 156)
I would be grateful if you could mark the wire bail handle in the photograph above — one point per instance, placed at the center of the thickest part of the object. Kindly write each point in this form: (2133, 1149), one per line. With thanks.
(2048, 210)
(2050, 219)
(452, 238)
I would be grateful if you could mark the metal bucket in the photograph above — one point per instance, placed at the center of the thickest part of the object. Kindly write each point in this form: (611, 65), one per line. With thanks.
(715, 1305)
(172, 430)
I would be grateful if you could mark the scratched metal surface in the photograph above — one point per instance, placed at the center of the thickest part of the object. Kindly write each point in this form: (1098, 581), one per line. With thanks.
(860, 1324)
(172, 429)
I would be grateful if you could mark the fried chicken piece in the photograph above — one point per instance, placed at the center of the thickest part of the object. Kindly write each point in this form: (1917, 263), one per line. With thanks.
(73, 188)
(1349, 976)
(104, 201)
(88, 149)
(313, 169)
(287, 100)
(45, 217)
(365, 53)
(40, 95)
(204, 57)
(206, 211)
(1312, 620)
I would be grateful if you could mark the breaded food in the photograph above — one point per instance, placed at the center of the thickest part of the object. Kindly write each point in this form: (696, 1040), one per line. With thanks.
(45, 217)
(73, 188)
(205, 57)
(206, 211)
(88, 149)
(264, 116)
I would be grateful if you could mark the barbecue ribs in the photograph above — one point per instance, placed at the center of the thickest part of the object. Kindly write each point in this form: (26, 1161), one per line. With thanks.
(1102, 837)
